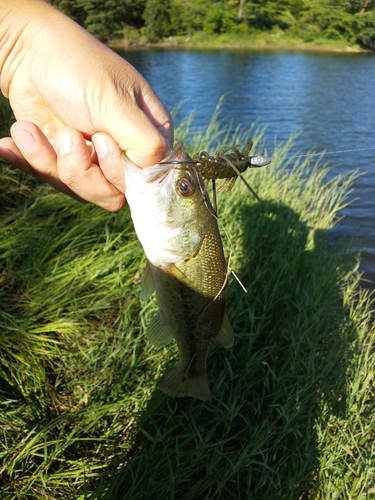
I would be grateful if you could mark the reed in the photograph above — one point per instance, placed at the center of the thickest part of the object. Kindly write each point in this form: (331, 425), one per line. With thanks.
(293, 400)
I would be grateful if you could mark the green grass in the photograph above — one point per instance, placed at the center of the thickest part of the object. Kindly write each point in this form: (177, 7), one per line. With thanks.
(293, 400)
(274, 39)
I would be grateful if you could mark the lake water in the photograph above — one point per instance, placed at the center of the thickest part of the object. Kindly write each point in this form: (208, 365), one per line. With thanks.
(328, 96)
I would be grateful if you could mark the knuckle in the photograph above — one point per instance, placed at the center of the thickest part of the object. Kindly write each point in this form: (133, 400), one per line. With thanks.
(160, 147)
(115, 205)
(69, 178)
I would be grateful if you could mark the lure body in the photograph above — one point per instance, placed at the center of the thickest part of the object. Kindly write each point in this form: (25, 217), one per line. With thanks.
(227, 166)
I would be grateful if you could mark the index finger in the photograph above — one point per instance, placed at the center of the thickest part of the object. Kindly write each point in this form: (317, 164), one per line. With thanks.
(143, 128)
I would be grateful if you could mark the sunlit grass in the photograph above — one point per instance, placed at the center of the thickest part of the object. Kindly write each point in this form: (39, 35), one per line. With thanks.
(274, 39)
(293, 400)
(267, 39)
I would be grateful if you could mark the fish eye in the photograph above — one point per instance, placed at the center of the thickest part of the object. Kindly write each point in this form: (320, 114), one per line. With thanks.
(185, 187)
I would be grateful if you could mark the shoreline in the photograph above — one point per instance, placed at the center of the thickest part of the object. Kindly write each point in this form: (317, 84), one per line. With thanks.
(174, 44)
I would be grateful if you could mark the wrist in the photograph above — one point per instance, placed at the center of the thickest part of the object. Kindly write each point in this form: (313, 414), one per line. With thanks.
(18, 22)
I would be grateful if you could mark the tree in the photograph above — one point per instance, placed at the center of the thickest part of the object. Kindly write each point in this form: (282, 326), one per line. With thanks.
(366, 35)
(103, 18)
(71, 9)
(350, 20)
(156, 17)
(187, 16)
(240, 11)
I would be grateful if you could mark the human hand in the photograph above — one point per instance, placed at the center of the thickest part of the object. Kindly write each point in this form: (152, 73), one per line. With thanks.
(78, 105)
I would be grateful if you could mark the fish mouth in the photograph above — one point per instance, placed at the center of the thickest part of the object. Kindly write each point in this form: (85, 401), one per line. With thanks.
(177, 155)
(156, 173)
(159, 172)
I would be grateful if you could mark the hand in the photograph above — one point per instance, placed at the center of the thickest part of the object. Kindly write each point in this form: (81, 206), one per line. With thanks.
(78, 105)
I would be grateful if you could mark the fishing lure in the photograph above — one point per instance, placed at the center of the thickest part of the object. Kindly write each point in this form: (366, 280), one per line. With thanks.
(227, 166)
(222, 166)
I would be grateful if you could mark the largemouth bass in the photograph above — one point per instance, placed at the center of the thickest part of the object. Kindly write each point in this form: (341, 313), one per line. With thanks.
(176, 225)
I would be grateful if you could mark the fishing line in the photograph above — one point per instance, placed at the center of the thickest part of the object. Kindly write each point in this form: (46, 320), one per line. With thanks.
(323, 153)
(214, 215)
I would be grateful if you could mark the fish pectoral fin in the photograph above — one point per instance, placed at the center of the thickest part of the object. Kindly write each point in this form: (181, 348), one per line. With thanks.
(226, 337)
(176, 383)
(147, 283)
(157, 332)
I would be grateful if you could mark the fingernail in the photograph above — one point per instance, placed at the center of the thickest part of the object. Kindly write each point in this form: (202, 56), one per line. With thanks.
(24, 140)
(64, 141)
(101, 146)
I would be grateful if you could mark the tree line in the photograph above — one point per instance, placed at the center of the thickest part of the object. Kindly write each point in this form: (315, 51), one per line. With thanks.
(352, 21)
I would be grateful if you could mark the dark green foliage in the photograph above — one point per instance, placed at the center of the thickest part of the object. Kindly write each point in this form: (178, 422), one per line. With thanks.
(71, 8)
(349, 21)
(366, 34)
(187, 16)
(156, 16)
(266, 15)
(221, 17)
(103, 18)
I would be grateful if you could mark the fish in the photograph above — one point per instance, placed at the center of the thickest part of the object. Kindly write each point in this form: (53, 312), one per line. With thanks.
(186, 267)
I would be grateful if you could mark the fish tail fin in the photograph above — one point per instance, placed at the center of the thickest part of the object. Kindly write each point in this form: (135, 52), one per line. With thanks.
(176, 383)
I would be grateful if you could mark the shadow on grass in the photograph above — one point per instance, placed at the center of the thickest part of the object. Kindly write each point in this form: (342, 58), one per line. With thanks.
(257, 437)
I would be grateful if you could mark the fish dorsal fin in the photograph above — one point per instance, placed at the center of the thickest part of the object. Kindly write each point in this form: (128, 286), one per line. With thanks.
(147, 283)
(157, 332)
(226, 337)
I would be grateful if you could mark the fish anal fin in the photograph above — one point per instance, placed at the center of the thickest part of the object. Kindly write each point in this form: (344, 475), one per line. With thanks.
(147, 283)
(226, 337)
(176, 383)
(157, 332)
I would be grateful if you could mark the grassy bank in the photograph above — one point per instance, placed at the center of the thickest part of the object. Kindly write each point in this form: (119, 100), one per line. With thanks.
(293, 400)
(265, 40)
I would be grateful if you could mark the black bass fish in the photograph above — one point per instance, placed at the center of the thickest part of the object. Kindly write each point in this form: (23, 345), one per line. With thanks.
(177, 228)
